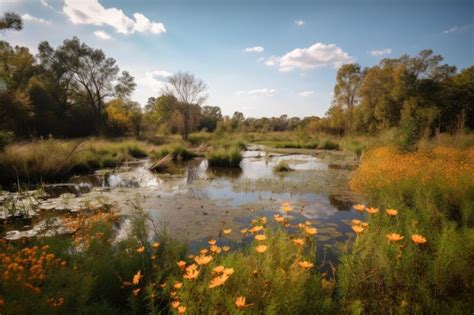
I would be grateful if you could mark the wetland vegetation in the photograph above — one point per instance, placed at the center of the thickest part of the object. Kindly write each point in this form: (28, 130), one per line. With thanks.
(175, 208)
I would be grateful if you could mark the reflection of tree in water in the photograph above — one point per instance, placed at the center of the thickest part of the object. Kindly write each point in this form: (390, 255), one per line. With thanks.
(340, 203)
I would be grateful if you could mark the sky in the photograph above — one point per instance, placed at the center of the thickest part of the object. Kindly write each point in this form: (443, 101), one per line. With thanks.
(262, 58)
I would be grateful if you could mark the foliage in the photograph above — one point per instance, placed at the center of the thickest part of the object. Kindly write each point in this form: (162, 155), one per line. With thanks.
(6, 137)
(176, 151)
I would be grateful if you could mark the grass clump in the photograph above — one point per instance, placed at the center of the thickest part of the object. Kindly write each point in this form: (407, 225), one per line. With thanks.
(176, 151)
(282, 166)
(223, 157)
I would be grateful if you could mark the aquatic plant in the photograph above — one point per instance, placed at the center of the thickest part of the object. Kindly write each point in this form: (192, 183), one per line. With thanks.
(282, 166)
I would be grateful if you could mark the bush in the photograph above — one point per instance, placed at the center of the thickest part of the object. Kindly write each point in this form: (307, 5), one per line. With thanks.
(224, 157)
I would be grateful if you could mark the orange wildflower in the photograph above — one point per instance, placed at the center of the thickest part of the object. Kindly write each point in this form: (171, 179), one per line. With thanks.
(358, 229)
(240, 302)
(136, 291)
(418, 239)
(218, 281)
(218, 269)
(359, 207)
(212, 242)
(191, 274)
(391, 212)
(310, 230)
(203, 260)
(136, 277)
(356, 222)
(181, 264)
(227, 231)
(225, 248)
(305, 264)
(175, 304)
(260, 237)
(372, 210)
(298, 241)
(286, 207)
(394, 237)
(261, 249)
(244, 231)
(155, 245)
(181, 309)
(140, 249)
(178, 285)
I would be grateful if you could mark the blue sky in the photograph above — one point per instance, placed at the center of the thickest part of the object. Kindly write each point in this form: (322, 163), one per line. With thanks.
(263, 58)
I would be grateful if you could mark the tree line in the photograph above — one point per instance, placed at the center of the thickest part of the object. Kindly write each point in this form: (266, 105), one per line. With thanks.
(75, 90)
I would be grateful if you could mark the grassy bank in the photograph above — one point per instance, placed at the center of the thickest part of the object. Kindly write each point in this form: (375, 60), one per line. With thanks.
(51, 159)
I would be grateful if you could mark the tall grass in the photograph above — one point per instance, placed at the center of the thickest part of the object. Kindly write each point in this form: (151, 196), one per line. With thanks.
(52, 159)
(223, 157)
(175, 151)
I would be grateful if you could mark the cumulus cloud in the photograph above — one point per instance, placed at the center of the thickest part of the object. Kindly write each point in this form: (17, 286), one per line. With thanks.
(29, 18)
(315, 56)
(381, 52)
(92, 12)
(257, 92)
(458, 29)
(102, 35)
(299, 22)
(256, 49)
(306, 93)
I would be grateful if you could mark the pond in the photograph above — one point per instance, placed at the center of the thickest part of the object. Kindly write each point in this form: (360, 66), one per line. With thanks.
(196, 202)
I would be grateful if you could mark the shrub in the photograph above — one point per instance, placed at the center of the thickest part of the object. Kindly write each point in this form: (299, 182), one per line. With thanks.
(224, 157)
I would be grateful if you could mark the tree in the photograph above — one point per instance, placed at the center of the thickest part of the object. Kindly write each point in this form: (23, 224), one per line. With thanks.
(348, 80)
(210, 116)
(189, 92)
(11, 21)
(91, 75)
(125, 86)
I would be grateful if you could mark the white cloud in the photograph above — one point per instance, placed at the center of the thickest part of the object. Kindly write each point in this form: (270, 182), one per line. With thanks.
(381, 52)
(306, 93)
(315, 56)
(256, 49)
(257, 92)
(299, 22)
(92, 12)
(29, 18)
(46, 4)
(102, 35)
(260, 59)
(159, 75)
(458, 29)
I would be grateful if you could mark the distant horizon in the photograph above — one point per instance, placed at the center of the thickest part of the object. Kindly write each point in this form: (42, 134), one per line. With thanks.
(260, 58)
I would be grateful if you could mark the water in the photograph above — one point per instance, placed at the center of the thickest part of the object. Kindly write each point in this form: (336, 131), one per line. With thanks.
(196, 202)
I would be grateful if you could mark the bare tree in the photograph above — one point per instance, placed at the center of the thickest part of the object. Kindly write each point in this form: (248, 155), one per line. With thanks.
(190, 93)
